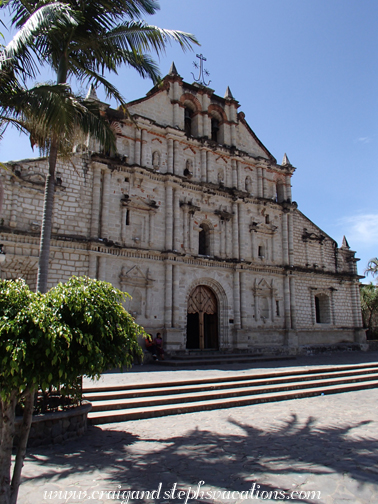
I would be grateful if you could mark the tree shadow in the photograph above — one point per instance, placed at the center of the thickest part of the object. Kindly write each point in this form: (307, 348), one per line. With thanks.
(290, 452)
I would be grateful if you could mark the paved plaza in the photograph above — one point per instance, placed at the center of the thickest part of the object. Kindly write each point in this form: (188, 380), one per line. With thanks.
(316, 450)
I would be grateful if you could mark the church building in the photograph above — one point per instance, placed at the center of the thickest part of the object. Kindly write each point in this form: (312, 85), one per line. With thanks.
(194, 218)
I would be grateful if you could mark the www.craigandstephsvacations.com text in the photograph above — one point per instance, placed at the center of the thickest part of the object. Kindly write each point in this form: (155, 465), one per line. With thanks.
(180, 495)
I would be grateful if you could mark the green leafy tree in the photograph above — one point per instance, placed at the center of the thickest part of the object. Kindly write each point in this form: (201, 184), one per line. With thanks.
(103, 36)
(369, 306)
(79, 328)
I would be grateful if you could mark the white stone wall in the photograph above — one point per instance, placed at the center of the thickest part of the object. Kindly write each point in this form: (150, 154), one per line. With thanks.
(135, 219)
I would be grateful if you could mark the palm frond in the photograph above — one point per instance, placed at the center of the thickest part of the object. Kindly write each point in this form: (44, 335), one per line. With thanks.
(57, 16)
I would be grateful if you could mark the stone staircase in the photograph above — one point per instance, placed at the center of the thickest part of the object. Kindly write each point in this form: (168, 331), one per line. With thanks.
(147, 400)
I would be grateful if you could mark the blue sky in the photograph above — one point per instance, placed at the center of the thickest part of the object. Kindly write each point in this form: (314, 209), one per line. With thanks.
(306, 75)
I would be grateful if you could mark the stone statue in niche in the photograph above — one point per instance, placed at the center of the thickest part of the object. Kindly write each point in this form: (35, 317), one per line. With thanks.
(248, 184)
(156, 160)
(188, 172)
(221, 178)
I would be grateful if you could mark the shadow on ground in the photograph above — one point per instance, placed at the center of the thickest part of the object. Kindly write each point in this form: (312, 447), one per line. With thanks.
(230, 461)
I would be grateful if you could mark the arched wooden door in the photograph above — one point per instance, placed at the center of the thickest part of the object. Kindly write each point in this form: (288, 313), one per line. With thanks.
(202, 319)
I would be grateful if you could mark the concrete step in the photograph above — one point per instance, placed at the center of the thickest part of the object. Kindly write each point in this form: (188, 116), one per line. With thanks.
(97, 418)
(114, 404)
(204, 395)
(157, 389)
(191, 360)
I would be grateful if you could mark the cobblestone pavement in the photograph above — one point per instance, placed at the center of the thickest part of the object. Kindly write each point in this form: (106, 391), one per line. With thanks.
(325, 444)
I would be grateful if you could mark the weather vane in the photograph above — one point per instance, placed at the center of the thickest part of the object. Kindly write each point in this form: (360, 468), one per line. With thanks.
(202, 71)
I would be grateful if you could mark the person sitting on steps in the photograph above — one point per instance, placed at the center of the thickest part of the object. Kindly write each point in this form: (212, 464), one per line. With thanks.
(151, 346)
(159, 346)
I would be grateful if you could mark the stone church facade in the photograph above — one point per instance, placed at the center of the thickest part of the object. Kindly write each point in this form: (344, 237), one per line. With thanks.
(194, 218)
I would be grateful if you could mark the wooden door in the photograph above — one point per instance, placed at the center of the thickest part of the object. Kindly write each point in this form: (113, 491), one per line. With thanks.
(202, 326)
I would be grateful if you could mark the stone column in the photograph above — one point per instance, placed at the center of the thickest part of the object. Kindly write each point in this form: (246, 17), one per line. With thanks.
(240, 176)
(287, 302)
(185, 230)
(168, 295)
(208, 167)
(92, 267)
(102, 268)
(259, 182)
(168, 216)
(123, 224)
(265, 184)
(292, 303)
(176, 221)
(175, 296)
(170, 156)
(290, 238)
(105, 203)
(206, 118)
(137, 146)
(143, 160)
(191, 238)
(176, 158)
(96, 200)
(285, 250)
(14, 205)
(176, 106)
(234, 173)
(243, 300)
(235, 231)
(242, 232)
(203, 165)
(236, 300)
(288, 187)
(151, 228)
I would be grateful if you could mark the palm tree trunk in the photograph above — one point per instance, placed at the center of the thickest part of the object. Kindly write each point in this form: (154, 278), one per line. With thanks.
(23, 441)
(44, 247)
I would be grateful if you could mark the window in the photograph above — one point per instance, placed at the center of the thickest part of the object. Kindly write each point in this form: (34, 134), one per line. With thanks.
(322, 309)
(280, 190)
(277, 308)
(127, 218)
(214, 129)
(204, 240)
(188, 121)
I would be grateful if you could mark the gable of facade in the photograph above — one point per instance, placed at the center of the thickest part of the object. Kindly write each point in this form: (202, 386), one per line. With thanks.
(194, 218)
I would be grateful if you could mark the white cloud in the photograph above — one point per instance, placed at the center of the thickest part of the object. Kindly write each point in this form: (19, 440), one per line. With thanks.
(364, 140)
(361, 228)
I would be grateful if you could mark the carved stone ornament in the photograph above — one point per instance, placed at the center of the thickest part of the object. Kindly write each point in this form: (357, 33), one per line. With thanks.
(262, 227)
(135, 277)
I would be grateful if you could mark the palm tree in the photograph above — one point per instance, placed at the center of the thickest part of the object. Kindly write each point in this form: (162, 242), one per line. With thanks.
(372, 267)
(101, 36)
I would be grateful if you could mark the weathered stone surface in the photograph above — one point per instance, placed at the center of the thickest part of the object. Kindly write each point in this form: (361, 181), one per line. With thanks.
(185, 203)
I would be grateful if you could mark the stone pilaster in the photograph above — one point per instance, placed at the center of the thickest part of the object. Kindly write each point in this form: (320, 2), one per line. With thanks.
(235, 231)
(176, 221)
(236, 292)
(105, 203)
(168, 295)
(168, 216)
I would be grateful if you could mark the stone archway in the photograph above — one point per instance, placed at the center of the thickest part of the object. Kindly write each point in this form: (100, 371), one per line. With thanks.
(202, 319)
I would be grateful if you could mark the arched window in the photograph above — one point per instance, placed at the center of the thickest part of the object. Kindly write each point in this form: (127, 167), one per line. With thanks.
(188, 121)
(204, 240)
(322, 309)
(214, 129)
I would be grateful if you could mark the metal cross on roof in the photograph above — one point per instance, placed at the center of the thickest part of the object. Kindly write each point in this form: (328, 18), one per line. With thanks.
(201, 78)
